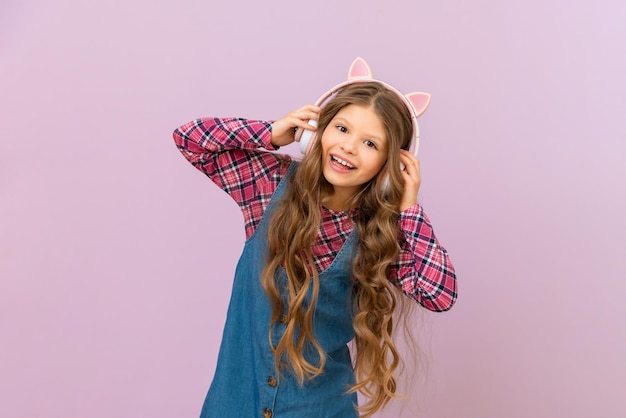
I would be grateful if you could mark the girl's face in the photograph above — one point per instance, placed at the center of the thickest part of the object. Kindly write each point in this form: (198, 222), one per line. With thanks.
(354, 149)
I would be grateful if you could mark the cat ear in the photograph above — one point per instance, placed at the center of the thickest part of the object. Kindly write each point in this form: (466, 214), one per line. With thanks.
(420, 102)
(359, 70)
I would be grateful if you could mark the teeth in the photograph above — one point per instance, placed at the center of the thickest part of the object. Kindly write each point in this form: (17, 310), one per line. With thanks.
(342, 162)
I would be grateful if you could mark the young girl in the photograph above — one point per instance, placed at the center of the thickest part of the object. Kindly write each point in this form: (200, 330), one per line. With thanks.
(330, 240)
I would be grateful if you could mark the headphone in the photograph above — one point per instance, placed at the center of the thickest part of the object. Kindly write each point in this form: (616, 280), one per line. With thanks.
(360, 72)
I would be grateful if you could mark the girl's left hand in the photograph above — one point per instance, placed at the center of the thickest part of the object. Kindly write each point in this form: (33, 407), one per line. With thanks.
(412, 179)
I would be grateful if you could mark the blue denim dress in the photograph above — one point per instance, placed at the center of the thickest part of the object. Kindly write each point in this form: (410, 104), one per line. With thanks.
(246, 384)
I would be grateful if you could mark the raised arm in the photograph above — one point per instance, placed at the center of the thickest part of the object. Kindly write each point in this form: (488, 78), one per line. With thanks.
(424, 271)
(227, 150)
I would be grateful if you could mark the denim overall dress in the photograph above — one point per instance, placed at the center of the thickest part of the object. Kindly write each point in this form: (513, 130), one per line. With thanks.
(246, 384)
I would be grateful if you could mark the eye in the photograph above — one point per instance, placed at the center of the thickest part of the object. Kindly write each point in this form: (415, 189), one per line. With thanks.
(370, 144)
(342, 128)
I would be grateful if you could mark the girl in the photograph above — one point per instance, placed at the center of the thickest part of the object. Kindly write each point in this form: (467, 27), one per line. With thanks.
(330, 240)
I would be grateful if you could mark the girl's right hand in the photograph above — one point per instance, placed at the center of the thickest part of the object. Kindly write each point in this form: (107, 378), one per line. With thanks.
(283, 130)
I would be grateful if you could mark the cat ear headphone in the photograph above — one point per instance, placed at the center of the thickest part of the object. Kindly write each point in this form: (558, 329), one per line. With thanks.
(360, 72)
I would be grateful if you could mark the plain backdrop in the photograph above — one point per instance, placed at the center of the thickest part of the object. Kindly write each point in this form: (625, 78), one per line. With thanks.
(117, 257)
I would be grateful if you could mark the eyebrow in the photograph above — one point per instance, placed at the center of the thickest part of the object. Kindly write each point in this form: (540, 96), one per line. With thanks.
(368, 136)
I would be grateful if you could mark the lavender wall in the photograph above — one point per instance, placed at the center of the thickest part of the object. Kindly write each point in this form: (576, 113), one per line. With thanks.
(116, 257)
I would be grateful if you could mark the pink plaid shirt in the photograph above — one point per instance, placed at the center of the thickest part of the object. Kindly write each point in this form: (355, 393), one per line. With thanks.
(228, 151)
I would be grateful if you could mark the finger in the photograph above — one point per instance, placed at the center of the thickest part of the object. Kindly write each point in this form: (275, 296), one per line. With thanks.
(411, 181)
(303, 123)
(308, 115)
(408, 155)
(412, 167)
(408, 162)
(297, 117)
(307, 111)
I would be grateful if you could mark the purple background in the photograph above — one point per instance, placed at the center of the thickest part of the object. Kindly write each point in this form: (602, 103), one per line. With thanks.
(116, 256)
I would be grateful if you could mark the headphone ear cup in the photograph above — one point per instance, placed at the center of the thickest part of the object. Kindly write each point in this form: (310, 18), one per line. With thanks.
(307, 138)
(386, 186)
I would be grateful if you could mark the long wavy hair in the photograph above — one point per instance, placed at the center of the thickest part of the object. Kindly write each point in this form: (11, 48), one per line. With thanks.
(297, 220)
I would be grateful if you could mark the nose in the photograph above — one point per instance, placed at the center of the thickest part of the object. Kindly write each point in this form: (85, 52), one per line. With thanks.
(349, 145)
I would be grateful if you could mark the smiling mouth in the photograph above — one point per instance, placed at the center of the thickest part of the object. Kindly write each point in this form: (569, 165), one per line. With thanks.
(341, 162)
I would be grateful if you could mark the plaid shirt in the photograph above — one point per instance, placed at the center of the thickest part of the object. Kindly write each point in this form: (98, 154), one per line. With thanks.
(227, 151)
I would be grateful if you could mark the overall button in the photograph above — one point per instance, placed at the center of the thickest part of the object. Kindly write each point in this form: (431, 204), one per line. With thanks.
(272, 381)
(267, 413)
(282, 318)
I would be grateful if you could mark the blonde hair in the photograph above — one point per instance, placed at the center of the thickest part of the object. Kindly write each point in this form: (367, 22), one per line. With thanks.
(296, 221)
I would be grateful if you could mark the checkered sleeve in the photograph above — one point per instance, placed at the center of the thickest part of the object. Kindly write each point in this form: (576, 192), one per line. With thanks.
(424, 271)
(228, 151)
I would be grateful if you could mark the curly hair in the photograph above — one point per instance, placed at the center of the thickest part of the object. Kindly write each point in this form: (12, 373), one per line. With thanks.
(296, 221)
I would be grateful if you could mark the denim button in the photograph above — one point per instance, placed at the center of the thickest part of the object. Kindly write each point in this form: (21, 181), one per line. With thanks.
(272, 381)
(267, 413)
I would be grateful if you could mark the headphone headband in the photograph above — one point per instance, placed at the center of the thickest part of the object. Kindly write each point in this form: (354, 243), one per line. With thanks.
(360, 72)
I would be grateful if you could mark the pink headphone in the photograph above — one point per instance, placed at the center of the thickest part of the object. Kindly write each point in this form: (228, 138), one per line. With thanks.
(359, 72)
